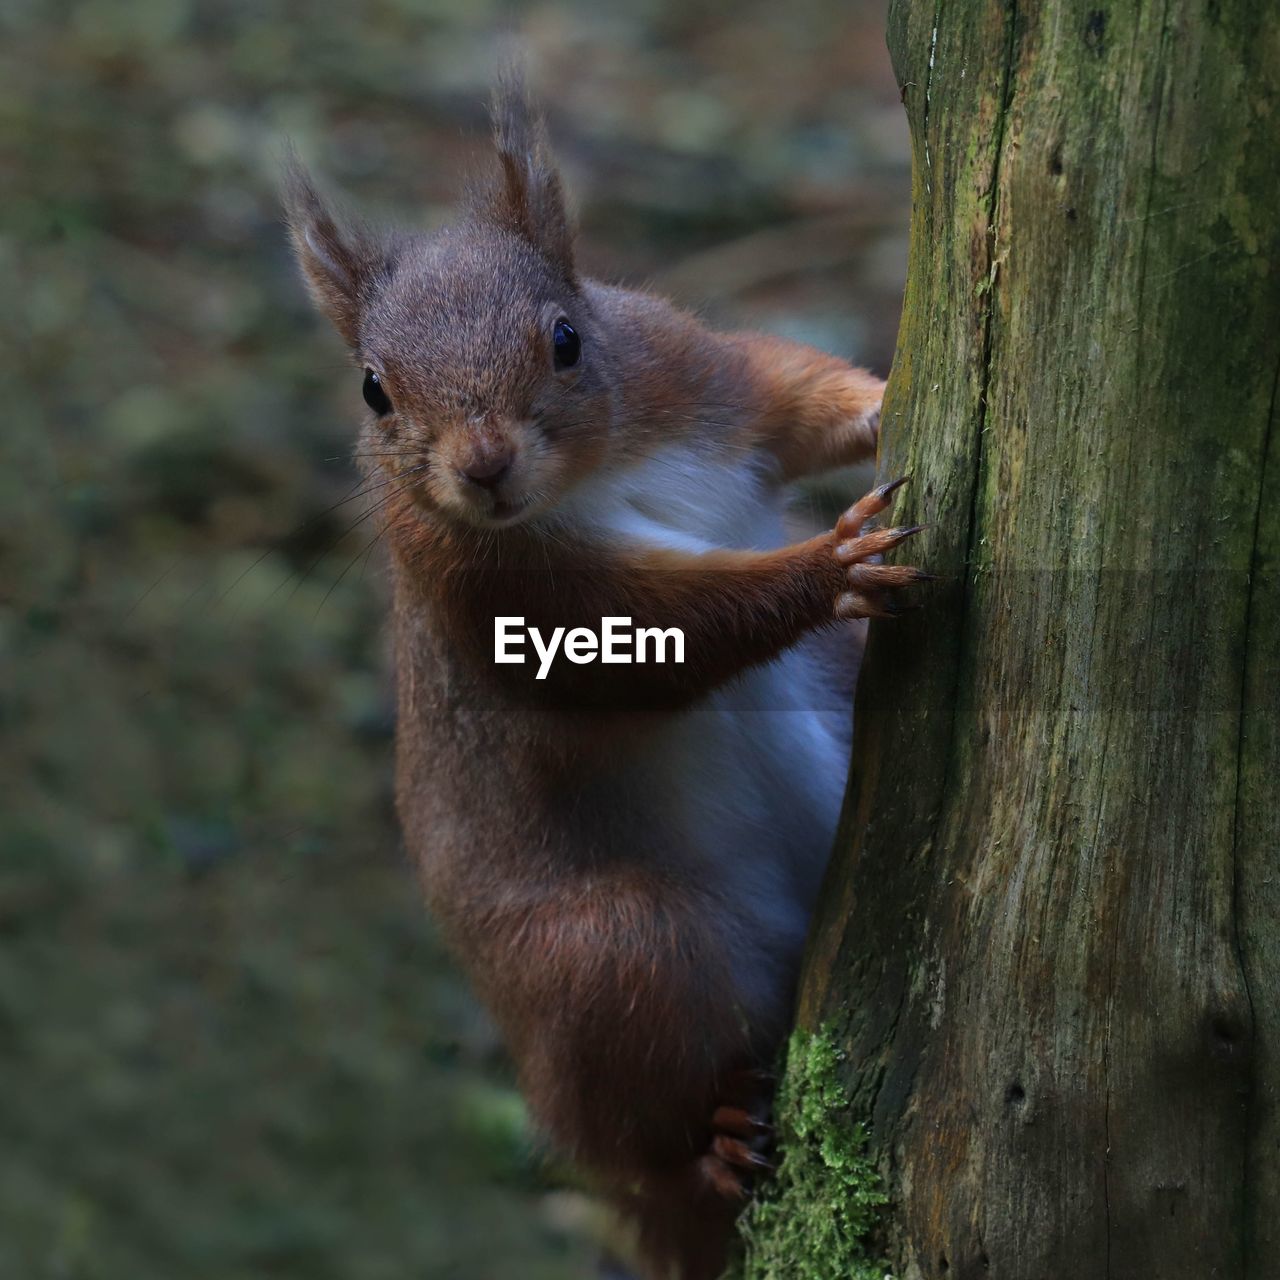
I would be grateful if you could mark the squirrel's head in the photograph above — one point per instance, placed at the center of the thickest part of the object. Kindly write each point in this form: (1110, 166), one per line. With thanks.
(485, 376)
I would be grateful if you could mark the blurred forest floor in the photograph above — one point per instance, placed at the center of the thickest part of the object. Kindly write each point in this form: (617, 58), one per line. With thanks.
(230, 1046)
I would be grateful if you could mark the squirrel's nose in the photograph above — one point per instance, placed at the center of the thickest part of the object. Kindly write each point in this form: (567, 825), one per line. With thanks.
(487, 469)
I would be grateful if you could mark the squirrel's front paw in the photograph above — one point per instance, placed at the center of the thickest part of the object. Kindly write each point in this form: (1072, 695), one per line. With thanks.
(860, 399)
(870, 585)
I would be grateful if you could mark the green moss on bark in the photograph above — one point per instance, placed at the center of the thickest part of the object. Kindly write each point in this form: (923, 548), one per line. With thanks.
(815, 1219)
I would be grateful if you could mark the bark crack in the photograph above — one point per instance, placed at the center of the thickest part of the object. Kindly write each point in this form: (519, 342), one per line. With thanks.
(1251, 1103)
(928, 97)
(975, 489)
(987, 285)
(988, 294)
(1152, 163)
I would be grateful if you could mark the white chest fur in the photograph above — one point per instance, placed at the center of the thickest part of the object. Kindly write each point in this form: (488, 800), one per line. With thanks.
(752, 777)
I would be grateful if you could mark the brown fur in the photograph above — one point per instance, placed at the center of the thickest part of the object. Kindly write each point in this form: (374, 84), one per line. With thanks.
(580, 913)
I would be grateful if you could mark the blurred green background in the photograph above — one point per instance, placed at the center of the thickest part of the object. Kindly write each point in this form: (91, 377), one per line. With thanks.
(230, 1045)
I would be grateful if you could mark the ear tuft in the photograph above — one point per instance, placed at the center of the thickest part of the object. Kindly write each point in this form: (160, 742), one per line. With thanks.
(341, 263)
(529, 198)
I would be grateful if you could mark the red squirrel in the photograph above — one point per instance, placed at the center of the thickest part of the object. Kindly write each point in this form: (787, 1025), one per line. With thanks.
(623, 857)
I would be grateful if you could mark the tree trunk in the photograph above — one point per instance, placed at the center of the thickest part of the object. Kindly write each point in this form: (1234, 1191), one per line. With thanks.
(1049, 950)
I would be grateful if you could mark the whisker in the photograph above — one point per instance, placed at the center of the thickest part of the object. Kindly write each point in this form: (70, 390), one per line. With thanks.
(369, 552)
(173, 565)
(328, 550)
(350, 496)
(388, 453)
(333, 586)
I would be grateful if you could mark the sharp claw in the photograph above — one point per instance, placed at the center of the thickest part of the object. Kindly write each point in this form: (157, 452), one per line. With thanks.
(740, 1123)
(884, 490)
(905, 531)
(734, 1152)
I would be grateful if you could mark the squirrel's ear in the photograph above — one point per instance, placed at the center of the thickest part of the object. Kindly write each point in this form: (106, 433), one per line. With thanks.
(529, 198)
(340, 263)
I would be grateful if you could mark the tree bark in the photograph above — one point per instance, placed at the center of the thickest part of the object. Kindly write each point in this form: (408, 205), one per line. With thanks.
(1049, 950)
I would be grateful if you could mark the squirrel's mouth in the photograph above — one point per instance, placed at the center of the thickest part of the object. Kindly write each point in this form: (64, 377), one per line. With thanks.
(502, 512)
(508, 511)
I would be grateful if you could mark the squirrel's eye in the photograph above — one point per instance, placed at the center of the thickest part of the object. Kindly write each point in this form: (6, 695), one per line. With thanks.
(375, 395)
(568, 346)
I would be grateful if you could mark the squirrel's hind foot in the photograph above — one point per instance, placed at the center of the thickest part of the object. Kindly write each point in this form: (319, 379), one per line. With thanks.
(741, 1137)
